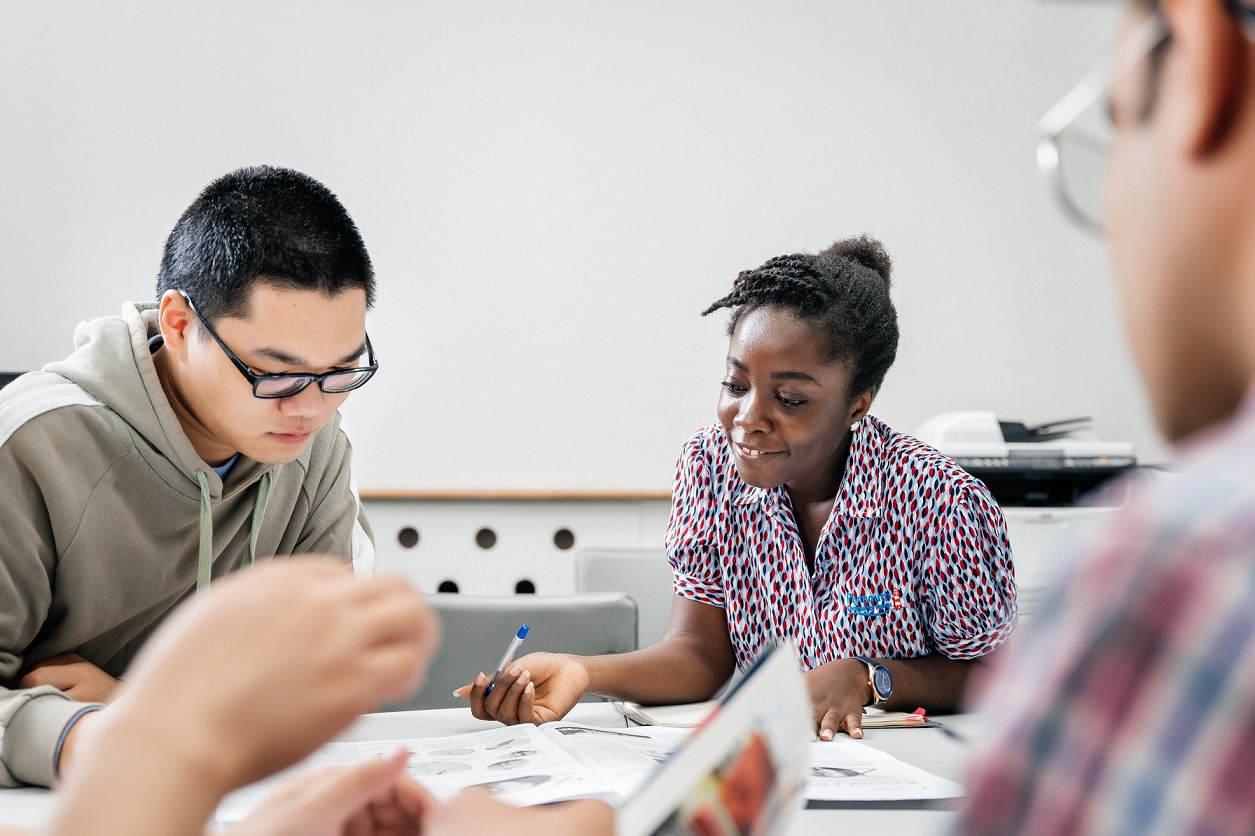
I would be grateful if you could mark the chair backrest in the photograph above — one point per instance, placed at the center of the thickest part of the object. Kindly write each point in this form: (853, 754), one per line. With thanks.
(642, 574)
(476, 629)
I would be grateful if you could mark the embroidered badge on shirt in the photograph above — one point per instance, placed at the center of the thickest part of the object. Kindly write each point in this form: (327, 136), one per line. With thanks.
(878, 603)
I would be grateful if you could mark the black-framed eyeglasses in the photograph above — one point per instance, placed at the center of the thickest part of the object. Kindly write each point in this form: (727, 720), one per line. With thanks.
(287, 385)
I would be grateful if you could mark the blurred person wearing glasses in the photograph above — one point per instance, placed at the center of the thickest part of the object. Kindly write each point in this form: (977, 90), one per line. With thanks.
(180, 441)
(1130, 708)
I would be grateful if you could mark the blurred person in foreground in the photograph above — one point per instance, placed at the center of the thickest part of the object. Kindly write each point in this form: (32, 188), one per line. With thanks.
(1130, 706)
(199, 719)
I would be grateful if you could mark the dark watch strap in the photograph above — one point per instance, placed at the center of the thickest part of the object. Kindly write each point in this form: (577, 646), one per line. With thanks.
(871, 679)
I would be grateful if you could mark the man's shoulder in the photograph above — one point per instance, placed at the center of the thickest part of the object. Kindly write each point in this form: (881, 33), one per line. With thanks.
(1192, 526)
(1207, 501)
(43, 384)
(1156, 614)
(53, 406)
(55, 436)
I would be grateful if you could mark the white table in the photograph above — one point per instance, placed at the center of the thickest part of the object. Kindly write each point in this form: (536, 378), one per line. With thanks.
(930, 749)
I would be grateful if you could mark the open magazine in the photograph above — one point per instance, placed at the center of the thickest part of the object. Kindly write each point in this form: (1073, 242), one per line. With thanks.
(521, 765)
(743, 770)
(744, 767)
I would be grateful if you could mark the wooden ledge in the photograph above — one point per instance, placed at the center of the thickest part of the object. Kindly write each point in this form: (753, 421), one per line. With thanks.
(517, 496)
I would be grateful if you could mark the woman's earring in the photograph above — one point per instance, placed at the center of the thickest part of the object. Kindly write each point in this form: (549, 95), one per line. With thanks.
(854, 426)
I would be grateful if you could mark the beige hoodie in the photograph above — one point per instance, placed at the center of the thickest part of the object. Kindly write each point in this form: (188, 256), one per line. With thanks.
(109, 514)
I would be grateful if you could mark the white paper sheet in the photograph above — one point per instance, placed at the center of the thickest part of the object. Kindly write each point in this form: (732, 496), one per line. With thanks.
(847, 770)
(521, 765)
(624, 758)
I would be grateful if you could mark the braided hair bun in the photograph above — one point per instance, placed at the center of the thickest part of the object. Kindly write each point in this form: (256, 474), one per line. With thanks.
(865, 250)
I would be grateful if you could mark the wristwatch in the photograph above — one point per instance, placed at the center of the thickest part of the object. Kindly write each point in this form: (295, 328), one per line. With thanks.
(880, 680)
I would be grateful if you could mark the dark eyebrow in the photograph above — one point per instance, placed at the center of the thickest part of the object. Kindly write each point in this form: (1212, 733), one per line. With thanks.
(288, 360)
(802, 376)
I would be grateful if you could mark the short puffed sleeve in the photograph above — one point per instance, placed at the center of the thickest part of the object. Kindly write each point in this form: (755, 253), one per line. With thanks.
(691, 539)
(970, 577)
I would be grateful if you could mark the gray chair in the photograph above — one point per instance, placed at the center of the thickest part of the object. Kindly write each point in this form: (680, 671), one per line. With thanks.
(642, 574)
(476, 630)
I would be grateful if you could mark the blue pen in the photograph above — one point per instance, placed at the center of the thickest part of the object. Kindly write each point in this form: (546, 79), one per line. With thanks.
(508, 657)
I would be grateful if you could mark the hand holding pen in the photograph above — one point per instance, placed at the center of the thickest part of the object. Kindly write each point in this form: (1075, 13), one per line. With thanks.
(507, 658)
(539, 688)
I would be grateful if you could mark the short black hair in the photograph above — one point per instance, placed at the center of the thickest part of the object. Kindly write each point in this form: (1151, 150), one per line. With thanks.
(843, 291)
(267, 224)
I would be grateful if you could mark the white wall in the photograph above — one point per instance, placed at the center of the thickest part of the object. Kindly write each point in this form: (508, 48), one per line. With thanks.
(551, 192)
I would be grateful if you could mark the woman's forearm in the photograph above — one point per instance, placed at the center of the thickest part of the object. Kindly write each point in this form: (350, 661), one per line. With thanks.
(670, 671)
(693, 660)
(935, 683)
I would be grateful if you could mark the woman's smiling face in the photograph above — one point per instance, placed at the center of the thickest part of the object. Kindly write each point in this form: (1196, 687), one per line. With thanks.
(785, 409)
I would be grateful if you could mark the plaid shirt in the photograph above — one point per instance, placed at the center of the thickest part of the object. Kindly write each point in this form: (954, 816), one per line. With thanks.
(1130, 707)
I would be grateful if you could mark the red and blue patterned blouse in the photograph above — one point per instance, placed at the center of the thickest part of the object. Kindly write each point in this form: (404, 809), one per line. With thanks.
(914, 558)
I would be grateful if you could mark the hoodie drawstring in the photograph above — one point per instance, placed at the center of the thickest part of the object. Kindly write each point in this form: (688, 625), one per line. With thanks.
(259, 511)
(205, 553)
(205, 550)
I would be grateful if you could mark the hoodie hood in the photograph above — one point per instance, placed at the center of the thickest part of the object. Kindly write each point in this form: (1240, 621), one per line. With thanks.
(113, 362)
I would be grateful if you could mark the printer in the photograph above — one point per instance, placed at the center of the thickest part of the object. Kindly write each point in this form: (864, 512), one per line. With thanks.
(1053, 464)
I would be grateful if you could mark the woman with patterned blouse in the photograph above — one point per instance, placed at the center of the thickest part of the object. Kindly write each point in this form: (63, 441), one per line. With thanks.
(801, 516)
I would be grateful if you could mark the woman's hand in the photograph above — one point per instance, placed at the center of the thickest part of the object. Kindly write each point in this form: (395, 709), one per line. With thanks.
(539, 688)
(838, 691)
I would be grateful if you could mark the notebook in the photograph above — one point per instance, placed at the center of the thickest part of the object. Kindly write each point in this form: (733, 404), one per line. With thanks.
(689, 715)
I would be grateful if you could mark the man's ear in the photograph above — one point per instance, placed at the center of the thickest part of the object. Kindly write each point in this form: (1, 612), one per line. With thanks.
(1208, 49)
(174, 317)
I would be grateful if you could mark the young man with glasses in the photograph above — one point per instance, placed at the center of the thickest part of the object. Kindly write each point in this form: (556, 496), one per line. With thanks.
(180, 441)
(1130, 706)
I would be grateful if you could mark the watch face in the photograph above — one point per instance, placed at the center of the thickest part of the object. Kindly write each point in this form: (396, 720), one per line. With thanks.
(882, 681)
